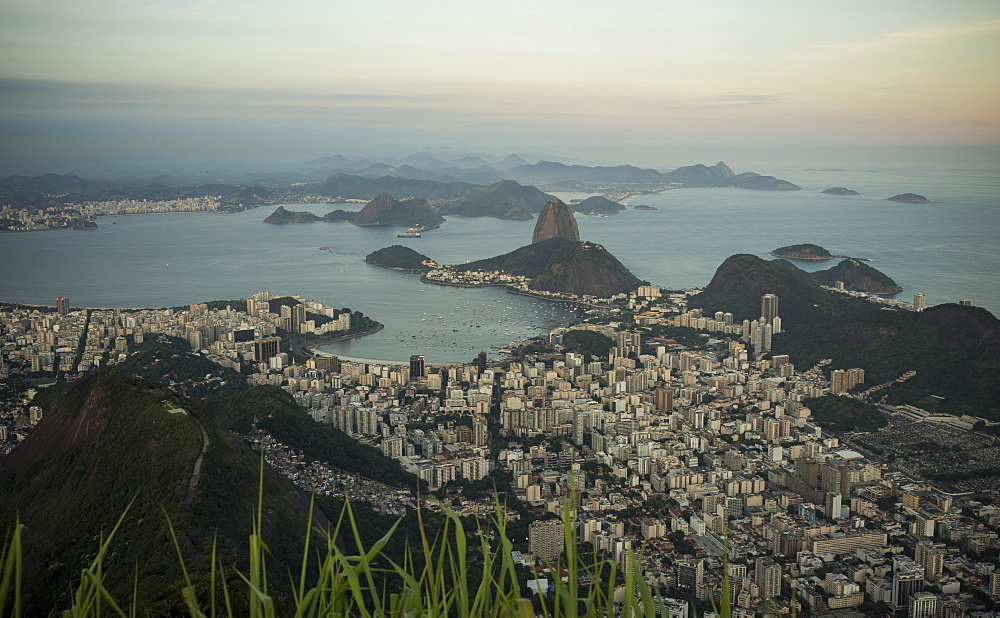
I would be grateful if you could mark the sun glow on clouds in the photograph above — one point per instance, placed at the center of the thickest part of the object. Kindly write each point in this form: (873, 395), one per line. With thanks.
(897, 72)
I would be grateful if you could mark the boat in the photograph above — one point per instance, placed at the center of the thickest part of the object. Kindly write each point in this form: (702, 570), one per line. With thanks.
(411, 232)
(324, 248)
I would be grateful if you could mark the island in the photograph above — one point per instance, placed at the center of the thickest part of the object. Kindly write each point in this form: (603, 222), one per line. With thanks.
(398, 257)
(383, 210)
(280, 215)
(909, 198)
(597, 205)
(643, 207)
(412, 212)
(804, 251)
(85, 225)
(840, 191)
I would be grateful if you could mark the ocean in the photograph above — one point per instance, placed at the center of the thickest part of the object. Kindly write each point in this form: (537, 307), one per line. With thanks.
(947, 249)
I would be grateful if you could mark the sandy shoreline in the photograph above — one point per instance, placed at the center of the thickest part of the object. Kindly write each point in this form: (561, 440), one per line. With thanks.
(378, 361)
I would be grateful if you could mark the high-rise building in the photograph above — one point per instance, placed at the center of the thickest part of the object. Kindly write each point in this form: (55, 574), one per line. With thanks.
(664, 400)
(479, 431)
(265, 349)
(690, 573)
(907, 579)
(919, 302)
(768, 577)
(481, 362)
(545, 539)
(62, 305)
(923, 605)
(843, 380)
(931, 557)
(416, 367)
(768, 308)
(298, 317)
(328, 363)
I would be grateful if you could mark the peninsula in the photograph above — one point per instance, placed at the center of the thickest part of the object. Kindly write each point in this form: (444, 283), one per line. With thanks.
(556, 265)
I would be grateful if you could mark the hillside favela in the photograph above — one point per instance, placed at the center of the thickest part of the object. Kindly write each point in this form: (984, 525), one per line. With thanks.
(356, 318)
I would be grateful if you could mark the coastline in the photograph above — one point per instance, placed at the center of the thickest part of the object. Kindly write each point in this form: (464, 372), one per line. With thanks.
(312, 348)
(818, 259)
(397, 269)
(382, 361)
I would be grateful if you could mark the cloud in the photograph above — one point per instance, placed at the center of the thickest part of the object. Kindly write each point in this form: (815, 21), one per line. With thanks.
(741, 100)
(922, 35)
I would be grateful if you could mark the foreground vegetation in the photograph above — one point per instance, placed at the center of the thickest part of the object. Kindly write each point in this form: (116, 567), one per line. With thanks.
(439, 577)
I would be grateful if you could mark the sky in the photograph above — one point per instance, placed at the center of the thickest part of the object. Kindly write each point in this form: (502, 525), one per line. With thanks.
(645, 82)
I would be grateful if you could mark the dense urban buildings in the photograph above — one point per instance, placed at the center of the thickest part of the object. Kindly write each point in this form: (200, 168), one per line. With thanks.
(676, 449)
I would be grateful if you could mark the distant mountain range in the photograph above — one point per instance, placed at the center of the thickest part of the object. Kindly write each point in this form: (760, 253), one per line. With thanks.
(478, 171)
(718, 175)
(505, 199)
(418, 175)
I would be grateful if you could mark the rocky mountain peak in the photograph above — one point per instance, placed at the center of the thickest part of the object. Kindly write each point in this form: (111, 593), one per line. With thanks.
(726, 171)
(370, 213)
(555, 221)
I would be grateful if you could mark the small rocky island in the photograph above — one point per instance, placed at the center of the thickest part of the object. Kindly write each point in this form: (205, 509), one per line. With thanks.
(804, 251)
(398, 257)
(643, 207)
(909, 198)
(841, 191)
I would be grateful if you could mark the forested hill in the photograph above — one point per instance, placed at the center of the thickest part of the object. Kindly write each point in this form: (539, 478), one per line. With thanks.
(113, 438)
(954, 349)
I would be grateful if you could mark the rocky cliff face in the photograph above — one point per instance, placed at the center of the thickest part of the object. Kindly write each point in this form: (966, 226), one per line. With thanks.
(370, 214)
(413, 212)
(555, 221)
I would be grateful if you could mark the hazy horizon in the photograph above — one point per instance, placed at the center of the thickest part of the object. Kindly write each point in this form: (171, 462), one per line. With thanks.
(652, 84)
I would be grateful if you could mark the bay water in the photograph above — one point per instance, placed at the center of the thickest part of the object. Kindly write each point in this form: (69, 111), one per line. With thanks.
(946, 249)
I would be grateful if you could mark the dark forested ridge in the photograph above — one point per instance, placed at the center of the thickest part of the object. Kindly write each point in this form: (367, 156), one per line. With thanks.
(954, 349)
(114, 437)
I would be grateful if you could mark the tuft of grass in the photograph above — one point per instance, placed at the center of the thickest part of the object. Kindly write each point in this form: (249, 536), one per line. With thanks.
(365, 582)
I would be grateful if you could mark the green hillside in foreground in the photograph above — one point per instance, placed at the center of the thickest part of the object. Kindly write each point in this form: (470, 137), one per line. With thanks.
(114, 437)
